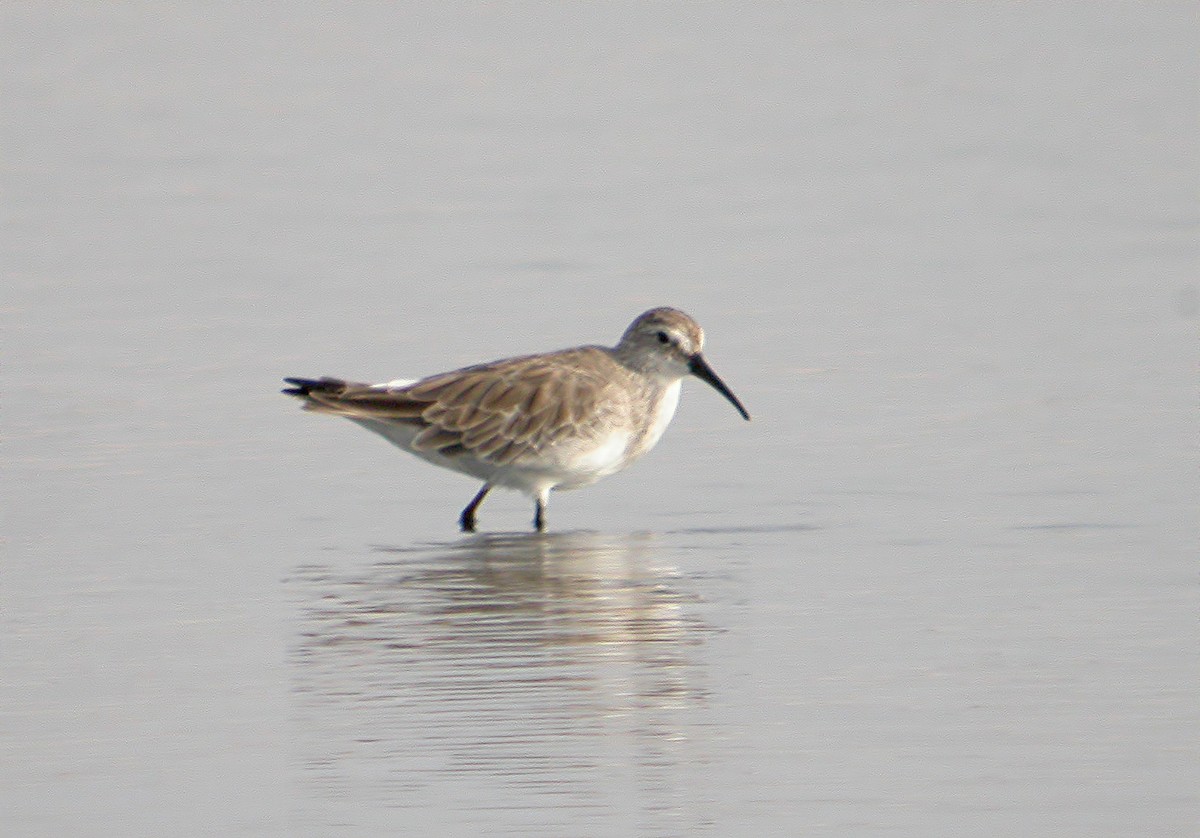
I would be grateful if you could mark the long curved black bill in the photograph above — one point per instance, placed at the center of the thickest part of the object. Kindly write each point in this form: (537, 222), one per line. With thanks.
(704, 372)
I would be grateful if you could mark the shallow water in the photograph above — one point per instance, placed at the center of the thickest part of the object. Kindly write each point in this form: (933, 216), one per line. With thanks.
(502, 676)
(943, 584)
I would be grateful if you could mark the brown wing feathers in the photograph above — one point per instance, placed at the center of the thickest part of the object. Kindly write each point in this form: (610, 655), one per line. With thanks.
(497, 411)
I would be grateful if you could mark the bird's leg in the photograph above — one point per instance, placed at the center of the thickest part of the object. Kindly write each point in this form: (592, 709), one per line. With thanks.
(467, 520)
(539, 514)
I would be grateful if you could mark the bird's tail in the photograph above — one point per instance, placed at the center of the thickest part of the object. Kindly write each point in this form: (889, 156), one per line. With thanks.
(318, 393)
(302, 387)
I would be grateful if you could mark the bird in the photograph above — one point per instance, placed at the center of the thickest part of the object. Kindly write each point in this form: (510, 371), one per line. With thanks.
(535, 423)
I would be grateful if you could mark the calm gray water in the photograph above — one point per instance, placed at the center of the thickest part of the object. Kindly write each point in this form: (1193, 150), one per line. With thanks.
(944, 584)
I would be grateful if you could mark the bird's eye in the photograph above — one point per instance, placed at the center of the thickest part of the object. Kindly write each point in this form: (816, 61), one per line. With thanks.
(663, 337)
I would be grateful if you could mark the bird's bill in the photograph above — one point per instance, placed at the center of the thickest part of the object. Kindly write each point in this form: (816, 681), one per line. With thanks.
(704, 372)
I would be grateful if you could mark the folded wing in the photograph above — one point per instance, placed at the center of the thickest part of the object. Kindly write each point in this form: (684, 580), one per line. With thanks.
(497, 412)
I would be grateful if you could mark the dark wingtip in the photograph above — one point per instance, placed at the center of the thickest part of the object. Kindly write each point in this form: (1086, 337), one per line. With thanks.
(301, 386)
(304, 386)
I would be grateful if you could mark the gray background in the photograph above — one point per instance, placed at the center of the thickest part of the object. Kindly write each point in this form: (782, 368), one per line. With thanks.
(944, 584)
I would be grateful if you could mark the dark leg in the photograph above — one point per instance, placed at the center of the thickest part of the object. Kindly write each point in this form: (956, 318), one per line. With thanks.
(539, 515)
(467, 520)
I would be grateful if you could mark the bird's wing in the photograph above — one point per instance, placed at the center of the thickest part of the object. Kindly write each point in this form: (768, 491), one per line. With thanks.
(499, 412)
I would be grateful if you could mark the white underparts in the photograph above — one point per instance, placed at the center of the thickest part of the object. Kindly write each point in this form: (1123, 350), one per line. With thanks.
(662, 417)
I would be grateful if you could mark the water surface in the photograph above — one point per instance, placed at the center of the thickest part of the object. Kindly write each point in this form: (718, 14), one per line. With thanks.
(943, 584)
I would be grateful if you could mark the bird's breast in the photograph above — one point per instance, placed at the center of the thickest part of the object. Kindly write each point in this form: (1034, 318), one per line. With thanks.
(661, 411)
(603, 457)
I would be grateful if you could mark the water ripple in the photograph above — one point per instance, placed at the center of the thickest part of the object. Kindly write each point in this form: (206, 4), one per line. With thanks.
(541, 671)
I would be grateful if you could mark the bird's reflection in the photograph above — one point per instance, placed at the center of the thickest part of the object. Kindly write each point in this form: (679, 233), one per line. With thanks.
(556, 666)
